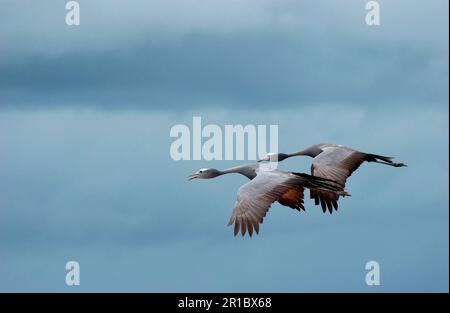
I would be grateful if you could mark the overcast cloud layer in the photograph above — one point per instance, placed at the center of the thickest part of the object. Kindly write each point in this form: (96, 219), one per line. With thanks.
(85, 170)
(178, 54)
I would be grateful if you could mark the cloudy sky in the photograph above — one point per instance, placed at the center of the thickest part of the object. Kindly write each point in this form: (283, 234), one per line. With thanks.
(85, 117)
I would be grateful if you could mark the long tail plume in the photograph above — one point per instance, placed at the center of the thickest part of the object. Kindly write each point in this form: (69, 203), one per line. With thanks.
(383, 160)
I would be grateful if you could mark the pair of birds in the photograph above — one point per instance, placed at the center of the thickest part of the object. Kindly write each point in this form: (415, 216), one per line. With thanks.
(332, 165)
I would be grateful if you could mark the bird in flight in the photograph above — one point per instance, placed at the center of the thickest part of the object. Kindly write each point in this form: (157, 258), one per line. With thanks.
(334, 162)
(266, 186)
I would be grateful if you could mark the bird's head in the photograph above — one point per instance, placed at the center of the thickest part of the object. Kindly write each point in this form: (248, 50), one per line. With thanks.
(274, 157)
(204, 173)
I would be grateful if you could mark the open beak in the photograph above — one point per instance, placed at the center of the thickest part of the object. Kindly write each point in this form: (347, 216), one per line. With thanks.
(264, 159)
(192, 176)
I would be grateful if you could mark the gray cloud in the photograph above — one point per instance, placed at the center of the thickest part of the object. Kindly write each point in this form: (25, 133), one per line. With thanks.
(281, 56)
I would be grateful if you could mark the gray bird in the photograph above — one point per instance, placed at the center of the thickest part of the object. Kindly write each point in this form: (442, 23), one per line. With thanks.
(266, 186)
(334, 162)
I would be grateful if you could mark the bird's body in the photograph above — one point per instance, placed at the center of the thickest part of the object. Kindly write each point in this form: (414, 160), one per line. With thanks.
(266, 186)
(334, 162)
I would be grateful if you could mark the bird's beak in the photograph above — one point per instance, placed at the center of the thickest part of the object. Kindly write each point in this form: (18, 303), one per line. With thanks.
(264, 159)
(192, 176)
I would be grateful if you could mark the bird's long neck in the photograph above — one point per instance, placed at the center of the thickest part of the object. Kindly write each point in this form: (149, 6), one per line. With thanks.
(311, 152)
(245, 170)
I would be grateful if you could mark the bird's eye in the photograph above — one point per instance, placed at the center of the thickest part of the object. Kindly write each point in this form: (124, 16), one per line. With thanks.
(200, 171)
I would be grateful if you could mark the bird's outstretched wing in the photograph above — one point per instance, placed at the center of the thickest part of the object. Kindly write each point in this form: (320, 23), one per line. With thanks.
(335, 163)
(255, 198)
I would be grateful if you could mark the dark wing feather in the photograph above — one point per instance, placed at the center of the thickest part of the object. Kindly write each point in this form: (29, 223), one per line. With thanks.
(335, 163)
(293, 198)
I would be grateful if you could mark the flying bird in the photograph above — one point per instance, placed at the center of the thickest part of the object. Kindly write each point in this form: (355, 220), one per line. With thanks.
(266, 186)
(334, 162)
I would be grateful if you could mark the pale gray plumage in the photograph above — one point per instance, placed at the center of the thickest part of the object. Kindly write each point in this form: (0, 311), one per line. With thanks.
(266, 186)
(335, 162)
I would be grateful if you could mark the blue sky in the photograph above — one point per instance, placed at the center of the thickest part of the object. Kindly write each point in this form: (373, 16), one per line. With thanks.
(85, 170)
